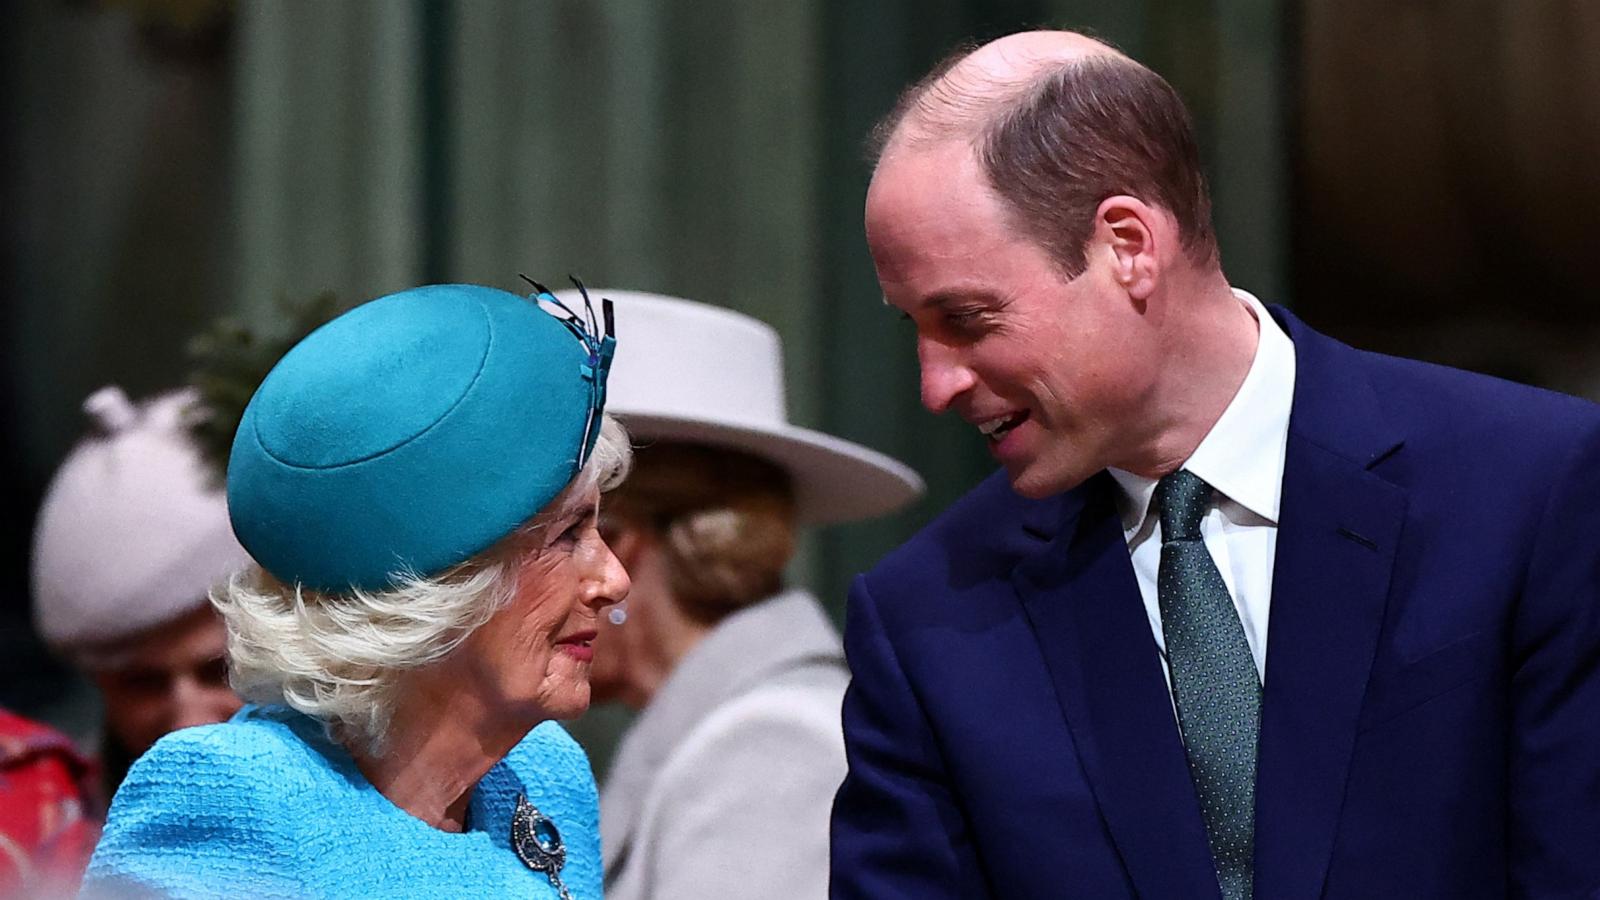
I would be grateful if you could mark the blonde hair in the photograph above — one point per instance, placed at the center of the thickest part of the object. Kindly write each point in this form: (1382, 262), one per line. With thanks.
(725, 520)
(339, 656)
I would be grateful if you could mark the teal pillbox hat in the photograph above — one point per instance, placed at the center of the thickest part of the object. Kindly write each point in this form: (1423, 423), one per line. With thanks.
(412, 433)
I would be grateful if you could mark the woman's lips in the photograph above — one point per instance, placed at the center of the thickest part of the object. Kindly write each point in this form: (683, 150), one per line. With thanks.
(579, 646)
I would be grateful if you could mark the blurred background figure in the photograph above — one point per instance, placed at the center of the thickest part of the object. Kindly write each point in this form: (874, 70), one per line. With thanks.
(131, 537)
(723, 785)
(47, 824)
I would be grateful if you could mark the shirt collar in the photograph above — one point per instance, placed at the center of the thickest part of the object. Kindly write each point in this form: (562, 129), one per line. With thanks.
(1242, 455)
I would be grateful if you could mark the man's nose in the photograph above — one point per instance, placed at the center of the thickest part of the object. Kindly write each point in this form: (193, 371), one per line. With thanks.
(944, 378)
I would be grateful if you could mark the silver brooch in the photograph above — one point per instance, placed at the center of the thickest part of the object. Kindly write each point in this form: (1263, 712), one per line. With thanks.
(538, 844)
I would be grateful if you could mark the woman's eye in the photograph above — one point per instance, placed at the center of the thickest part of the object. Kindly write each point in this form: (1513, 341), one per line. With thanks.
(575, 532)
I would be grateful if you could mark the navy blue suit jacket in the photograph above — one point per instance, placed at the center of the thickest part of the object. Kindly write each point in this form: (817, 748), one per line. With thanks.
(1431, 721)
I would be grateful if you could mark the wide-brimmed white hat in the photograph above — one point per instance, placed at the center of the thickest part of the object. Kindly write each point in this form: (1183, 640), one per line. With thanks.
(133, 531)
(686, 371)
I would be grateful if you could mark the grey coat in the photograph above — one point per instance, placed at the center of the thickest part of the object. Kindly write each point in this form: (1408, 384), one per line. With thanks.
(724, 785)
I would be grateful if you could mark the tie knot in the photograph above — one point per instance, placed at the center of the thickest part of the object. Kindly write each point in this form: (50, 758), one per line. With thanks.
(1182, 498)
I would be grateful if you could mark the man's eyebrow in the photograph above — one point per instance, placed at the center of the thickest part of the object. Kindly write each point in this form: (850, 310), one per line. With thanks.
(945, 298)
(958, 295)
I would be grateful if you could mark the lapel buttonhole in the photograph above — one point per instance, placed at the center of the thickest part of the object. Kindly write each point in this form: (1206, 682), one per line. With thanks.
(1363, 541)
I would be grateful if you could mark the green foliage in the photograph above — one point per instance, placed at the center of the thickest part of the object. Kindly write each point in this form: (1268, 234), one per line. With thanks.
(229, 360)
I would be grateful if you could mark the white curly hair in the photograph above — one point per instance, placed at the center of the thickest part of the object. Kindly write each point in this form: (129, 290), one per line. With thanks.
(338, 657)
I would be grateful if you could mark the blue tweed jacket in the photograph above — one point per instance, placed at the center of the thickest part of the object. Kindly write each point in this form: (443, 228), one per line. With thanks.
(266, 806)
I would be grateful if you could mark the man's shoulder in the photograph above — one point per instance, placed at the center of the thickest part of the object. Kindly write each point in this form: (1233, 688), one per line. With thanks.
(1475, 425)
(1424, 386)
(1423, 399)
(980, 537)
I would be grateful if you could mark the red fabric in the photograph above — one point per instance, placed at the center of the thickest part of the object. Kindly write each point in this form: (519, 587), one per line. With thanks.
(46, 827)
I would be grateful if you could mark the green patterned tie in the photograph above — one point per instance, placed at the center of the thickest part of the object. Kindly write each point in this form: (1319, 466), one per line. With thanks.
(1214, 681)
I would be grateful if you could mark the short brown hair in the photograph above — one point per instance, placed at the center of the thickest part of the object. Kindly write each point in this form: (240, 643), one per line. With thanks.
(1083, 131)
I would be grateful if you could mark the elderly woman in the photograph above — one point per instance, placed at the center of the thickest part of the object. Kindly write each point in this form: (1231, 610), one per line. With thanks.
(723, 786)
(418, 483)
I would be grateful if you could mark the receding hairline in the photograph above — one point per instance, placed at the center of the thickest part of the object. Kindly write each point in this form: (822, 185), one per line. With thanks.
(961, 102)
(1052, 139)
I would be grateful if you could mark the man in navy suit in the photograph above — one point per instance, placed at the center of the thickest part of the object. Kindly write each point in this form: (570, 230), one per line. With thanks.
(1248, 612)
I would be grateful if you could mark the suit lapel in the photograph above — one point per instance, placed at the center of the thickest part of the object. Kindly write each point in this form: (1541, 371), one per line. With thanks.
(1083, 603)
(1338, 530)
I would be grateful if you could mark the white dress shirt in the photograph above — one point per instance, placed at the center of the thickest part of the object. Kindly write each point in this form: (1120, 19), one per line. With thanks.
(1242, 457)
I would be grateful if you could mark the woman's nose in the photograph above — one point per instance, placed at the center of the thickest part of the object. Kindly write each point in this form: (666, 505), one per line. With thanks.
(612, 583)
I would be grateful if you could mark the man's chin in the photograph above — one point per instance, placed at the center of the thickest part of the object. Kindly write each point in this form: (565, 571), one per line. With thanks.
(1037, 483)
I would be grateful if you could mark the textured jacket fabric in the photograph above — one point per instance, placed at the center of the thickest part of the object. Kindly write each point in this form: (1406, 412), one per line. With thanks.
(1431, 711)
(723, 787)
(265, 806)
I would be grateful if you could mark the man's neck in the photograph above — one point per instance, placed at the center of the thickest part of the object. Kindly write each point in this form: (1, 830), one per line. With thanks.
(1212, 342)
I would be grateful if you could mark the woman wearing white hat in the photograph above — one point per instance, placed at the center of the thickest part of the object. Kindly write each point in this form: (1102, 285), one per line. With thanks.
(132, 534)
(723, 785)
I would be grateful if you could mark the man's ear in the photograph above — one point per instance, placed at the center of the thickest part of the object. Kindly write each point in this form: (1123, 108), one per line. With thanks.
(1138, 238)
